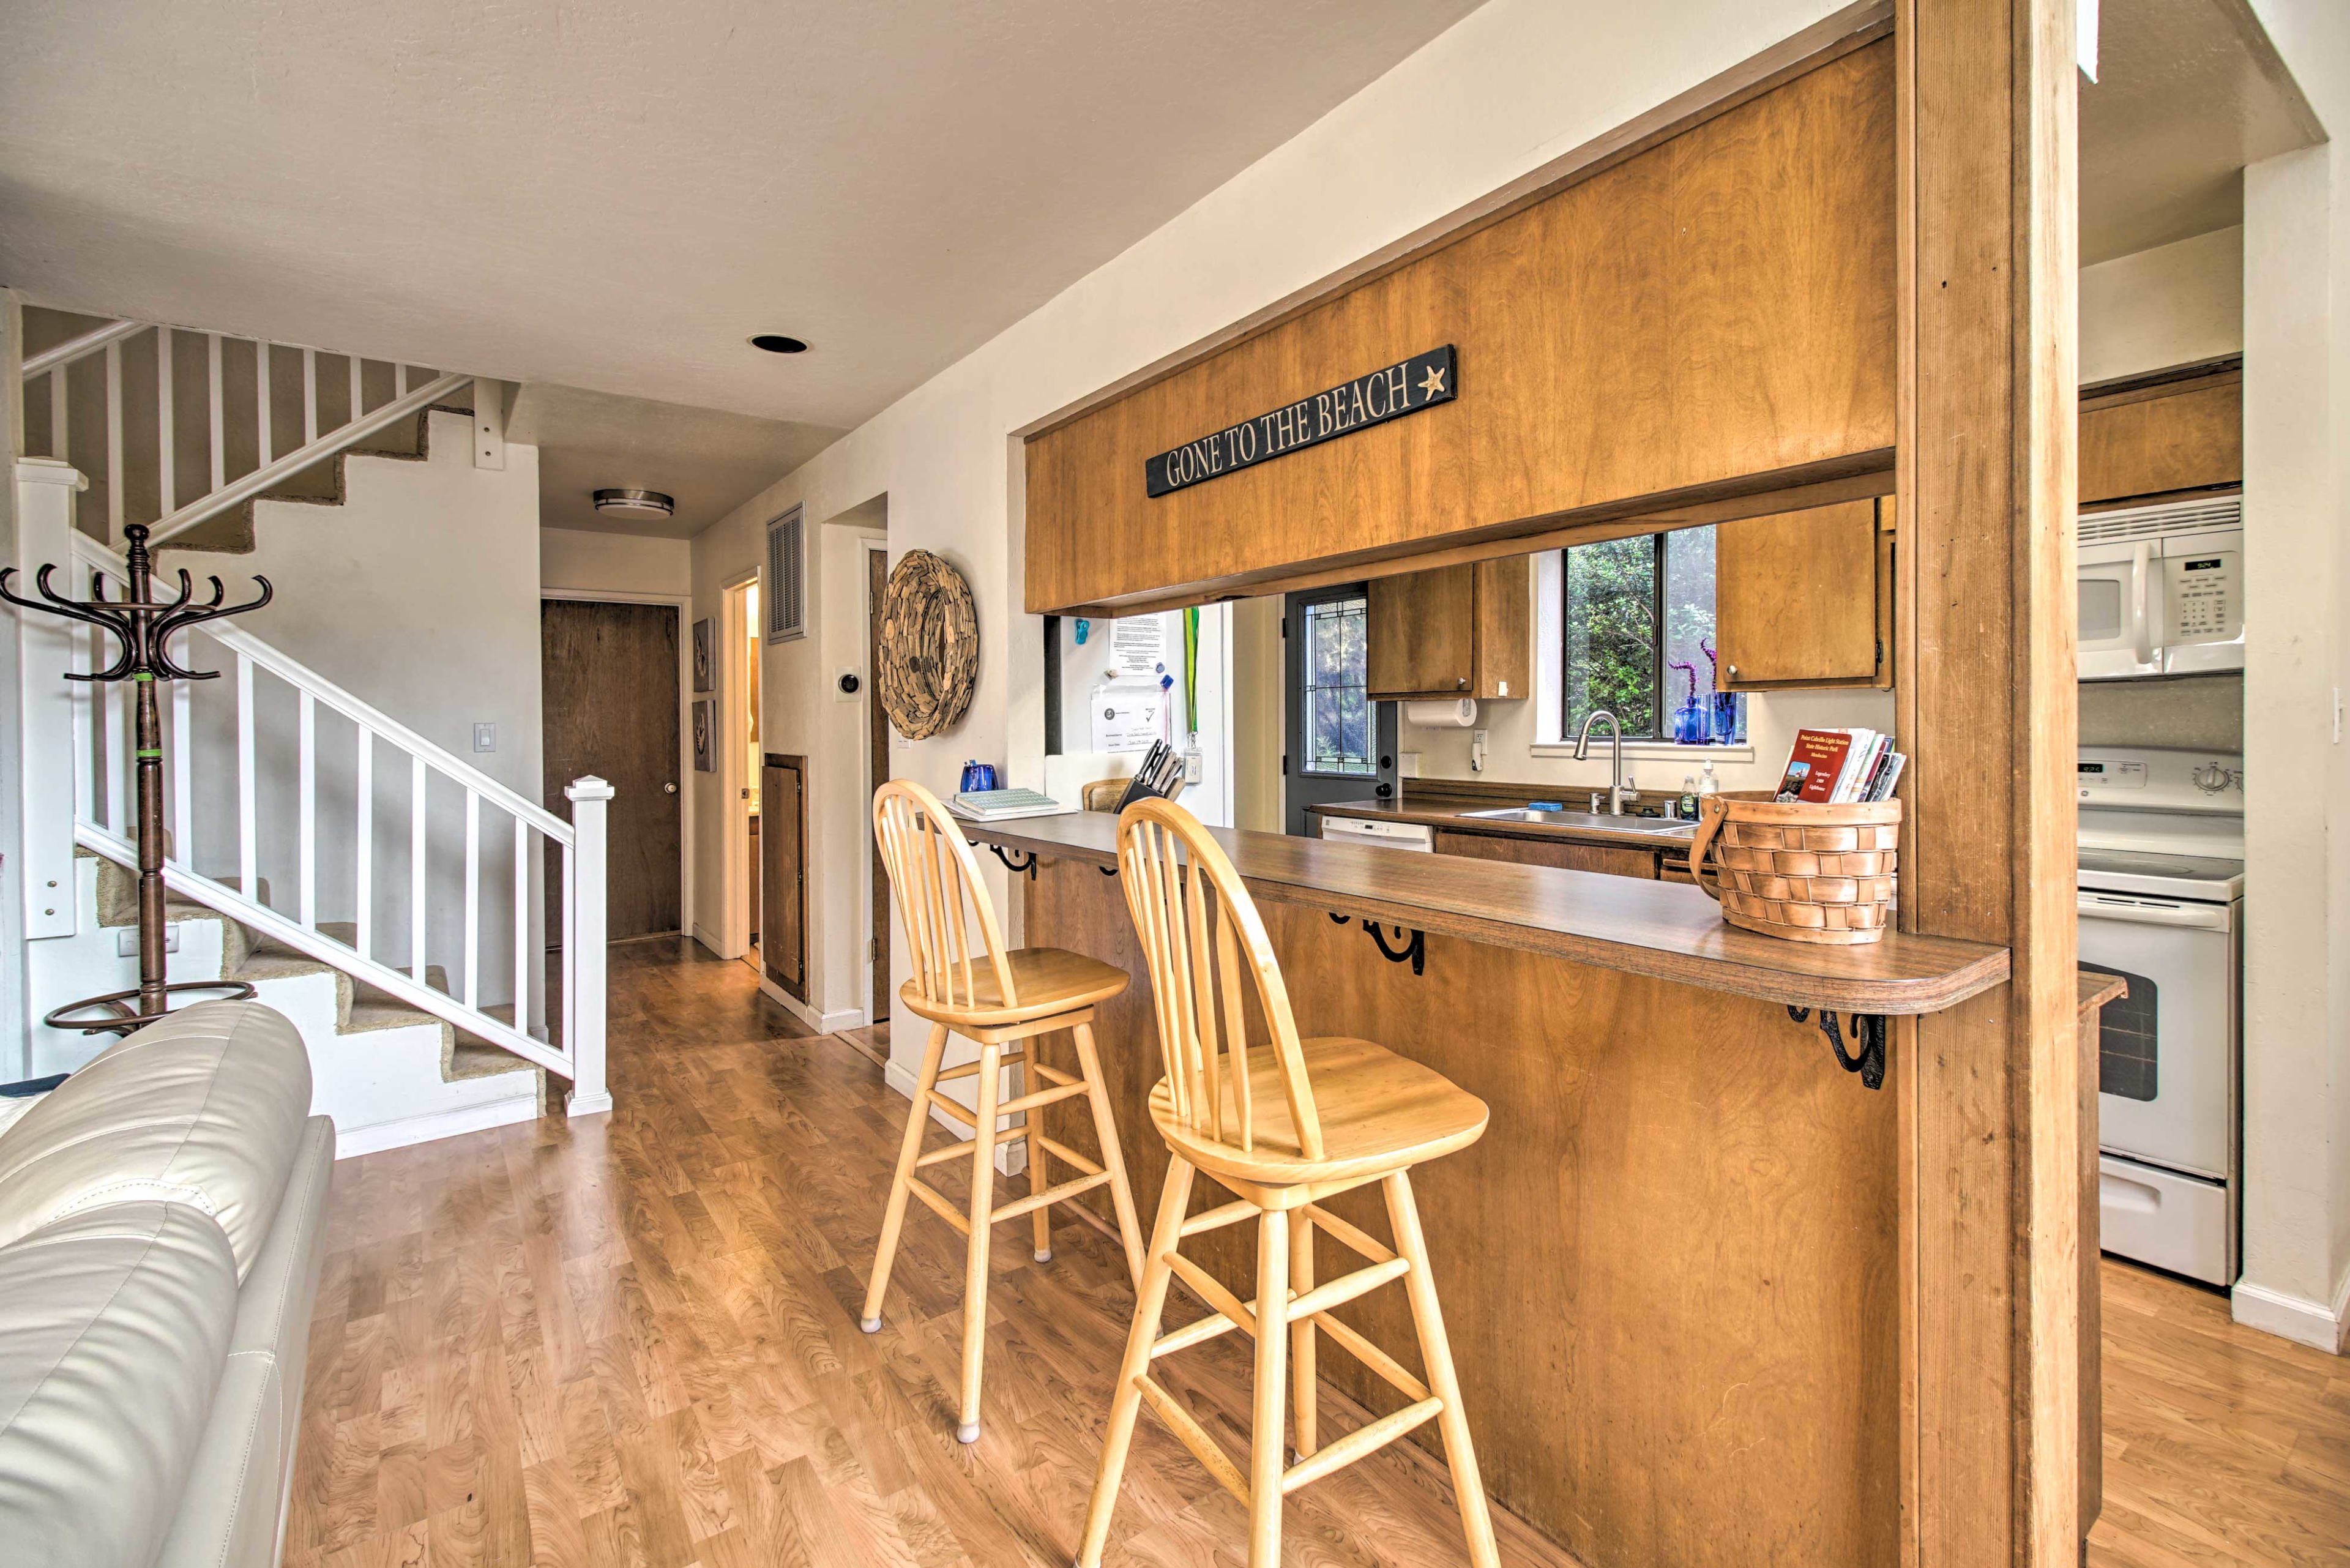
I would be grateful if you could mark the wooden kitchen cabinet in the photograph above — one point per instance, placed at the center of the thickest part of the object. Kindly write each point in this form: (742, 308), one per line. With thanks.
(1802, 599)
(1617, 860)
(2155, 440)
(1456, 631)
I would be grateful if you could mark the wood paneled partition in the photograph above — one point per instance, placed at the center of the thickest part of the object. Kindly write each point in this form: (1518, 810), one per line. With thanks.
(1711, 317)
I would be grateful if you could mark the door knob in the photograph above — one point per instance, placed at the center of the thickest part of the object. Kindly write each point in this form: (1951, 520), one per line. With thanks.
(668, 789)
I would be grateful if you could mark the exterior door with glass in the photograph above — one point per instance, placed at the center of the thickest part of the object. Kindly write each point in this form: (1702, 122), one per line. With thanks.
(1340, 745)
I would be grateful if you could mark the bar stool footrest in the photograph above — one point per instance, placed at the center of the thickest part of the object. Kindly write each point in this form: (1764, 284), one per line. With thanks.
(1194, 1437)
(1357, 1444)
(1035, 1200)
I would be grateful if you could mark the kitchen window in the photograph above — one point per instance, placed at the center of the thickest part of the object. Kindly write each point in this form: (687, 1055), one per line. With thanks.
(1637, 624)
(1333, 690)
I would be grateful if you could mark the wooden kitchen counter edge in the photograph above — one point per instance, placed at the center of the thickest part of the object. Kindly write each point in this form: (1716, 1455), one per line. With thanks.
(1667, 930)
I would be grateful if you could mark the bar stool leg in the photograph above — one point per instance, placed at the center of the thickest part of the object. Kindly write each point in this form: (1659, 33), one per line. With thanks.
(1468, 1485)
(982, 1206)
(1121, 1195)
(893, 1217)
(1301, 1335)
(1267, 1449)
(1032, 1125)
(1126, 1401)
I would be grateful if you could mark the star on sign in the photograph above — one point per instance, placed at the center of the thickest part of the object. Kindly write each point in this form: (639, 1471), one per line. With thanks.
(1433, 385)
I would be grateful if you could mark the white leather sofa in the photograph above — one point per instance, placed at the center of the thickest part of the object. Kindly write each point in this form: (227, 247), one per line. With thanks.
(160, 1249)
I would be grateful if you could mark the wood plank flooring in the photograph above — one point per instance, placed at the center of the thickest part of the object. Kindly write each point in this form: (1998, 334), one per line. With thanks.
(632, 1341)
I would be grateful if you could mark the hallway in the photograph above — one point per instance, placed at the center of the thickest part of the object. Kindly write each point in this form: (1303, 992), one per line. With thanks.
(632, 1341)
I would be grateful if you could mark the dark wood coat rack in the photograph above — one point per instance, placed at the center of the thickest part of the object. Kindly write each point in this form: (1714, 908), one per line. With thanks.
(143, 628)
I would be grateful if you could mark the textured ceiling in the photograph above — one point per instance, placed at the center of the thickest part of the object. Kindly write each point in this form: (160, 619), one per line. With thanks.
(611, 195)
(2188, 92)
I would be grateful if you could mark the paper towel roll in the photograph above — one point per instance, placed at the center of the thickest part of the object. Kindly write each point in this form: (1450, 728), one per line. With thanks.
(1459, 713)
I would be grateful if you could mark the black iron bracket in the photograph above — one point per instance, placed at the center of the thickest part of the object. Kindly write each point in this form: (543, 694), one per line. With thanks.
(1015, 867)
(1415, 952)
(1867, 1033)
(1107, 870)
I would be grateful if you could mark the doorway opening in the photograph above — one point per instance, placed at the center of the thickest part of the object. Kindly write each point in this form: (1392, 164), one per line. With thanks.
(877, 773)
(738, 706)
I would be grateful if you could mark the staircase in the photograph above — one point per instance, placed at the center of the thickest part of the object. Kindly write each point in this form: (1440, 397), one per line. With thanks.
(437, 936)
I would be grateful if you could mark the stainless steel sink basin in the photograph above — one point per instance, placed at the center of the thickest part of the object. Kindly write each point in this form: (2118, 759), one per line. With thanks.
(1657, 826)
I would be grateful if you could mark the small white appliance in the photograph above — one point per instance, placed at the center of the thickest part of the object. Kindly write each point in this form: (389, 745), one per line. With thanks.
(2161, 890)
(2162, 589)
(1388, 835)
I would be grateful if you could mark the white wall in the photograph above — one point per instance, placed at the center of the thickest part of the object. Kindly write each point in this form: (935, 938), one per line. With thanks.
(585, 562)
(419, 596)
(2175, 305)
(2297, 663)
(1513, 85)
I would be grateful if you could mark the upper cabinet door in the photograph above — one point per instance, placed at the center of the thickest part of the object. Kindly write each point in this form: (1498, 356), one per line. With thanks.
(1797, 598)
(2187, 436)
(1423, 634)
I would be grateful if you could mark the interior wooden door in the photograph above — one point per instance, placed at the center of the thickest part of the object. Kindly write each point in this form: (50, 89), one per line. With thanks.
(877, 740)
(608, 681)
(783, 873)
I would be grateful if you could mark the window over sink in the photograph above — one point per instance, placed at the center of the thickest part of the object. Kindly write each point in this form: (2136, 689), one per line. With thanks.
(1636, 638)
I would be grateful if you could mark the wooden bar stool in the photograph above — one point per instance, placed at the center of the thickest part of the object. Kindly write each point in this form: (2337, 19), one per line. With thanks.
(1284, 1126)
(999, 999)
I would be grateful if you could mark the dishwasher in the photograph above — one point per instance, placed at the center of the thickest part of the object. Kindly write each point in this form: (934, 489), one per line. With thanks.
(1414, 836)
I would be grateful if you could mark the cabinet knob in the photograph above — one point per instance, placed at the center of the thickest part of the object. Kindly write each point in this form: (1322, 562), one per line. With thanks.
(1733, 672)
(1461, 683)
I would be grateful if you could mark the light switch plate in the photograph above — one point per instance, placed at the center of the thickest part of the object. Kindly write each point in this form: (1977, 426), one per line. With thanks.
(126, 940)
(486, 737)
(1408, 764)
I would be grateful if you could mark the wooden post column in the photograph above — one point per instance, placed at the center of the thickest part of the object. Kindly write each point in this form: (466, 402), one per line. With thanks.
(1985, 643)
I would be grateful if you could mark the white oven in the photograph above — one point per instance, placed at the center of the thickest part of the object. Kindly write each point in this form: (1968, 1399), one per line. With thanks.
(2161, 589)
(2161, 891)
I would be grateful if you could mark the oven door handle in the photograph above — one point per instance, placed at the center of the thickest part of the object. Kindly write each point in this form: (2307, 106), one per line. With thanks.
(2152, 912)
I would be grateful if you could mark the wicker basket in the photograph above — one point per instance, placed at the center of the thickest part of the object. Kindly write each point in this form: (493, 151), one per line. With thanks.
(1808, 873)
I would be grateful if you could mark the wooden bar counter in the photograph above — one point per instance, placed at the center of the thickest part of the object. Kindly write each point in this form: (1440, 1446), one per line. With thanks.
(1671, 1267)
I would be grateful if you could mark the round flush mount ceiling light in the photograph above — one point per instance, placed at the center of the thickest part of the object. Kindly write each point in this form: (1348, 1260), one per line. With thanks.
(635, 502)
(776, 343)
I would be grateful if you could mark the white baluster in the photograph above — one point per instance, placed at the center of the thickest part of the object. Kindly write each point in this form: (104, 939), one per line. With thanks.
(119, 747)
(356, 395)
(570, 919)
(399, 380)
(219, 410)
(88, 718)
(583, 947)
(473, 898)
(522, 926)
(363, 836)
(307, 827)
(113, 442)
(184, 745)
(261, 403)
(166, 435)
(57, 442)
(309, 396)
(248, 852)
(416, 869)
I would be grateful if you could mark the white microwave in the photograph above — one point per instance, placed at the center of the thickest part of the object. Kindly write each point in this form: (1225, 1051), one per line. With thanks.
(2162, 589)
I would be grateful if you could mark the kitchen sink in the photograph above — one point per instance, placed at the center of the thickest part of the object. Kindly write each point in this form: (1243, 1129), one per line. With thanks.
(1659, 826)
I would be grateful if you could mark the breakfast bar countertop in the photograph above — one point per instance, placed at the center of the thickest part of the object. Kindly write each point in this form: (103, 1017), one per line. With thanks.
(1668, 930)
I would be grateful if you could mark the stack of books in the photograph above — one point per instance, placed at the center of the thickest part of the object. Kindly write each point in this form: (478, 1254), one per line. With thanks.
(1836, 767)
(1004, 805)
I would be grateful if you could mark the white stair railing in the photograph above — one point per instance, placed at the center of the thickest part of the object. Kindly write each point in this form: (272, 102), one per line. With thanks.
(215, 792)
(278, 443)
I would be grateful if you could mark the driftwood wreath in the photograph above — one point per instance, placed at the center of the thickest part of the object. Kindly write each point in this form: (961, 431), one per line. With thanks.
(930, 645)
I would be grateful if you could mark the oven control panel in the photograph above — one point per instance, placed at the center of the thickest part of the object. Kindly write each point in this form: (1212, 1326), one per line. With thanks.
(2203, 597)
(2158, 779)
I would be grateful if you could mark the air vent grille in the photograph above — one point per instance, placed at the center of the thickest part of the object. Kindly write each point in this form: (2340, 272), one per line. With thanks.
(786, 591)
(2153, 522)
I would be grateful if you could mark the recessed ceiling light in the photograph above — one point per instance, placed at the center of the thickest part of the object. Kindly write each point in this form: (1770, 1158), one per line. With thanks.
(635, 502)
(776, 343)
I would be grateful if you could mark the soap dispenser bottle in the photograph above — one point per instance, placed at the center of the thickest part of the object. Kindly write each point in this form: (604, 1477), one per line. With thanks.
(1688, 798)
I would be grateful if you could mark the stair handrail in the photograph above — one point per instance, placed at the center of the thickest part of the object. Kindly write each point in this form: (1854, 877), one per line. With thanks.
(302, 677)
(273, 468)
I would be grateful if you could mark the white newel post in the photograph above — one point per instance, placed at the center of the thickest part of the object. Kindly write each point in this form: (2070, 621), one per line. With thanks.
(44, 647)
(583, 1030)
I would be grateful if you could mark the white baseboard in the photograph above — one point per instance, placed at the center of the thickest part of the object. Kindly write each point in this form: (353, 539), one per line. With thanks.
(2296, 1318)
(822, 1023)
(1011, 1158)
(381, 1136)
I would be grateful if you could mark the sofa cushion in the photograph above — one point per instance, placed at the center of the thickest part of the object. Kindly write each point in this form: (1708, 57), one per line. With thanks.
(113, 1322)
(233, 1507)
(205, 1108)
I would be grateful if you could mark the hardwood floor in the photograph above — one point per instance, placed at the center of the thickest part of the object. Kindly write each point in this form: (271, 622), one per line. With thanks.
(632, 1340)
